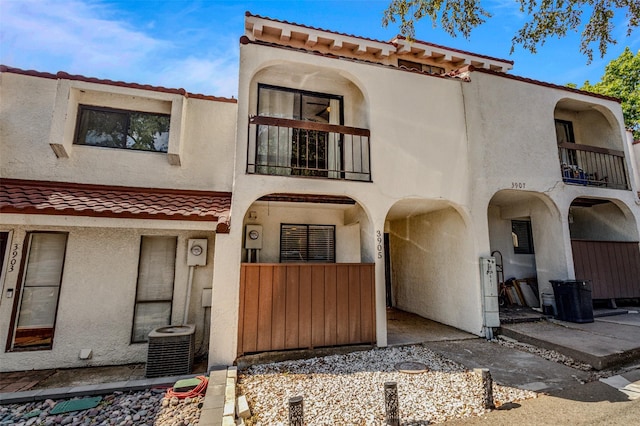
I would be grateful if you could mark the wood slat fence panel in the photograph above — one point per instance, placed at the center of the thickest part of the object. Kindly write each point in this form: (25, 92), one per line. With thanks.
(613, 267)
(297, 306)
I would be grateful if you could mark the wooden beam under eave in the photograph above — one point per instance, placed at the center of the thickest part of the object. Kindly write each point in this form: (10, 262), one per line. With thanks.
(384, 52)
(336, 45)
(360, 50)
(312, 40)
(257, 30)
(285, 35)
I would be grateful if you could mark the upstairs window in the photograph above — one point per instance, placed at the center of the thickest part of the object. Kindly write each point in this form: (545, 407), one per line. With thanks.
(307, 243)
(285, 150)
(116, 128)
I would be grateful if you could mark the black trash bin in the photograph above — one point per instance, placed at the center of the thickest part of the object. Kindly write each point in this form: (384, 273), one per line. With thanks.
(573, 300)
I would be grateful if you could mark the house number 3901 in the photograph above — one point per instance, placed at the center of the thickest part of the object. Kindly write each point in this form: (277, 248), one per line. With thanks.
(14, 256)
(379, 243)
(518, 185)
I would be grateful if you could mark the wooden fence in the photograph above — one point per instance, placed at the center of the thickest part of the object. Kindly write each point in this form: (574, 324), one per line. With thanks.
(613, 267)
(294, 306)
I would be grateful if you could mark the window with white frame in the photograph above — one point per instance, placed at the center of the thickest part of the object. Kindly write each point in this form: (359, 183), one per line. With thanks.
(154, 292)
(307, 243)
(118, 128)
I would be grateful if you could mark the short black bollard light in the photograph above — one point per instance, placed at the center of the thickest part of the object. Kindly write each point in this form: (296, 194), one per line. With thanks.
(296, 414)
(391, 404)
(487, 385)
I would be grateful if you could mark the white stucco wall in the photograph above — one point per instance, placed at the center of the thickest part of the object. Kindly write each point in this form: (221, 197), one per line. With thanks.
(97, 293)
(433, 269)
(602, 222)
(514, 265)
(270, 215)
(207, 138)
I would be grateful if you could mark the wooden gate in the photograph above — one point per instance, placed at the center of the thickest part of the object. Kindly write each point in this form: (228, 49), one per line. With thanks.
(613, 267)
(294, 306)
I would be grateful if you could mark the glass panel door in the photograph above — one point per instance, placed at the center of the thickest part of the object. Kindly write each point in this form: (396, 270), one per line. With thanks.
(38, 305)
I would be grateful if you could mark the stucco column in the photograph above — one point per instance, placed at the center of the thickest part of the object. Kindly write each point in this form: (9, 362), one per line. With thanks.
(225, 298)
(381, 303)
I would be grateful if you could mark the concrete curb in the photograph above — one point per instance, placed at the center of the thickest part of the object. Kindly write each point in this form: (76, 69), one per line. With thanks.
(85, 390)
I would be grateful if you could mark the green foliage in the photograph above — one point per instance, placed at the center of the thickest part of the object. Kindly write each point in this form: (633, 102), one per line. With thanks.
(621, 79)
(547, 18)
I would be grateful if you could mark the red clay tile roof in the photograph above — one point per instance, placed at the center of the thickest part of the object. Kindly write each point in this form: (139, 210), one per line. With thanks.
(65, 76)
(74, 199)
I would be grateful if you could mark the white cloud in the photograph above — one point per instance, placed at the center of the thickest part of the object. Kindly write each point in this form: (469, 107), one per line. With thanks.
(94, 39)
(216, 76)
(73, 34)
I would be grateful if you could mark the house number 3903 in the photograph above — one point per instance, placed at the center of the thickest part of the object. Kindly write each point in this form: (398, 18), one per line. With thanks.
(14, 256)
(379, 243)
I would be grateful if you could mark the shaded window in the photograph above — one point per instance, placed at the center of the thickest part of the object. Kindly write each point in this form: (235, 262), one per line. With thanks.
(154, 293)
(294, 151)
(522, 236)
(307, 243)
(113, 128)
(564, 131)
(35, 314)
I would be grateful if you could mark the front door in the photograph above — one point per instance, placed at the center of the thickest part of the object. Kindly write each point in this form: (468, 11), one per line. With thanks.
(34, 314)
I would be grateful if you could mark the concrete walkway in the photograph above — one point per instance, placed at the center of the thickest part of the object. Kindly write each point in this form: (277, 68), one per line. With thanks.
(606, 342)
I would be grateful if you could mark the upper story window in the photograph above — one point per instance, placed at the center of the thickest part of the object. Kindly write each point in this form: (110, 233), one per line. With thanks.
(116, 128)
(299, 105)
(431, 69)
(297, 150)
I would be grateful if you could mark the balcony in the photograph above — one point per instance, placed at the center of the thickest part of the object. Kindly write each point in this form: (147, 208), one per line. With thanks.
(592, 166)
(286, 147)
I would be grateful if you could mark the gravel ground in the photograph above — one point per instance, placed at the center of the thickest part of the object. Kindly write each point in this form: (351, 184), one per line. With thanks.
(145, 408)
(348, 389)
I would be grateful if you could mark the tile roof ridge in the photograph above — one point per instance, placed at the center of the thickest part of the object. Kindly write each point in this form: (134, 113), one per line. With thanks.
(466, 52)
(76, 77)
(249, 14)
(103, 187)
(546, 84)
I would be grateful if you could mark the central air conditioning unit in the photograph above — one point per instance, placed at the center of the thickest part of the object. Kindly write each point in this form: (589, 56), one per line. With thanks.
(171, 351)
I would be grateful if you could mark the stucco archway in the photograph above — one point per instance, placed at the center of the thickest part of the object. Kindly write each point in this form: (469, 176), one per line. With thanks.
(605, 247)
(432, 267)
(304, 279)
(526, 235)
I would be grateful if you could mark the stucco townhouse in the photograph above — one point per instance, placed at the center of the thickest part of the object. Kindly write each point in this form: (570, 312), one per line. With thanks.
(350, 175)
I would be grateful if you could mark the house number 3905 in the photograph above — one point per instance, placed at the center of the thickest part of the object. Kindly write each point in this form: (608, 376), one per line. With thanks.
(14, 255)
(379, 243)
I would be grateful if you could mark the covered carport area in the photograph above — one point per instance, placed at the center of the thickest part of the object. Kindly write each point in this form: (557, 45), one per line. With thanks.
(432, 270)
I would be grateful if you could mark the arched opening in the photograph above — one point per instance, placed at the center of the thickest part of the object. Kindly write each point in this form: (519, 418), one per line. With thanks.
(526, 238)
(604, 242)
(590, 145)
(306, 279)
(307, 121)
(430, 273)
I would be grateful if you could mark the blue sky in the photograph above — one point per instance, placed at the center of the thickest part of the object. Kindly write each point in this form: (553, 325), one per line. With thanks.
(194, 44)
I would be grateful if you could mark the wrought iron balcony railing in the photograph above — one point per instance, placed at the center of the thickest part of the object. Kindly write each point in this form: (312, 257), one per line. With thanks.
(594, 166)
(280, 146)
